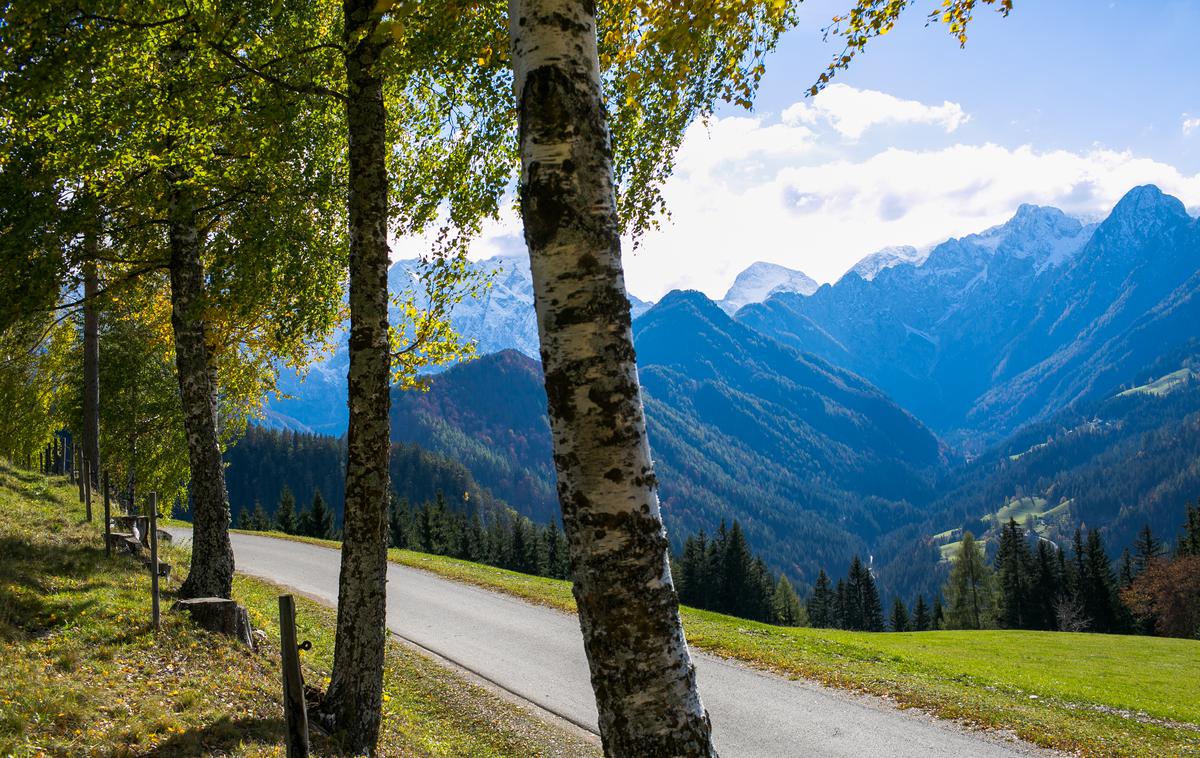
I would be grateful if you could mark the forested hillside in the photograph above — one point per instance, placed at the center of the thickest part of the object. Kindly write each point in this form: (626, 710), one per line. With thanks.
(1116, 464)
(814, 462)
(263, 462)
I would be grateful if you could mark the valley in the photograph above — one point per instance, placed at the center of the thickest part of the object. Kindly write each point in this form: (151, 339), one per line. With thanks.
(869, 416)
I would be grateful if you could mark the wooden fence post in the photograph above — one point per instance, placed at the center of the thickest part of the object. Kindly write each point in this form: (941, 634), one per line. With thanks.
(154, 560)
(107, 520)
(87, 488)
(293, 682)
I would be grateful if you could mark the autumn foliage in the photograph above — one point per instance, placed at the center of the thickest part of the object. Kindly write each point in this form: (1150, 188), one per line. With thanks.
(1167, 594)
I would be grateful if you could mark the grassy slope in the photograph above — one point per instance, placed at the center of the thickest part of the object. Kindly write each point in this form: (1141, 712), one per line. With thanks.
(1163, 385)
(81, 674)
(1087, 693)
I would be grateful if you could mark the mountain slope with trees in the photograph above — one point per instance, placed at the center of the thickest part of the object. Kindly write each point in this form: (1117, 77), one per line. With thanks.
(811, 460)
(1116, 465)
(1013, 324)
(265, 462)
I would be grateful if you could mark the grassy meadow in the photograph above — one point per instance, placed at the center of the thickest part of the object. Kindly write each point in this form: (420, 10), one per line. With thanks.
(82, 674)
(1089, 694)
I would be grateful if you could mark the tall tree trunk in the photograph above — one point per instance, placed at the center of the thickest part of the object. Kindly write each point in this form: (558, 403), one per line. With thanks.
(641, 671)
(355, 695)
(91, 358)
(211, 573)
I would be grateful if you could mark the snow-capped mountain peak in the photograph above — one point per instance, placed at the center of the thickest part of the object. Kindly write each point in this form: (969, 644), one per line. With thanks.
(870, 266)
(761, 280)
(1045, 235)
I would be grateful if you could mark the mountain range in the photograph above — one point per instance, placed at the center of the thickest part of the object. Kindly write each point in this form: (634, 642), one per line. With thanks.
(741, 427)
(1005, 327)
(920, 394)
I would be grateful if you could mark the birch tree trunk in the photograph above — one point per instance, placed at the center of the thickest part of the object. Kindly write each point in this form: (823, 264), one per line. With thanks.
(355, 696)
(91, 359)
(211, 573)
(641, 671)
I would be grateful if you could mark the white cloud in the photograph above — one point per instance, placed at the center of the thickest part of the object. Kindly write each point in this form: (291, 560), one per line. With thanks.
(851, 112)
(820, 210)
(1190, 125)
(747, 189)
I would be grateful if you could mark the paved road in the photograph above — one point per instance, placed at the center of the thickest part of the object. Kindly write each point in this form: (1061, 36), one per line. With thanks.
(537, 654)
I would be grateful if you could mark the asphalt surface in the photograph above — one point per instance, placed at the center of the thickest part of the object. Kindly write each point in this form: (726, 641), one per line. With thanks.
(536, 654)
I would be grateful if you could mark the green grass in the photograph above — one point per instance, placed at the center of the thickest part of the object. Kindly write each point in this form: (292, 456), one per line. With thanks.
(82, 674)
(1021, 508)
(1164, 385)
(950, 550)
(1097, 694)
(1086, 693)
(1019, 456)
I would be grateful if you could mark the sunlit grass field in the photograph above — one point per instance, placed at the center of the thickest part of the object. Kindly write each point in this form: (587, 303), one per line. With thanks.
(1087, 693)
(82, 674)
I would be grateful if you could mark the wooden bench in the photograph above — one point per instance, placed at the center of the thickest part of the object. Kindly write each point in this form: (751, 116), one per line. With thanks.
(125, 541)
(130, 523)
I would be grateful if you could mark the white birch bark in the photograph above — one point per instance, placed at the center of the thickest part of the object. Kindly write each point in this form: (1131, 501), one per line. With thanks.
(641, 670)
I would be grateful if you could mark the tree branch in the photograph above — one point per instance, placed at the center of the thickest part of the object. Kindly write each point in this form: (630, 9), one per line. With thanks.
(299, 89)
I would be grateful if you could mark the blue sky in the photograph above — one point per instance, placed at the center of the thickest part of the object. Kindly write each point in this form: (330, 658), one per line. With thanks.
(1068, 103)
(1057, 73)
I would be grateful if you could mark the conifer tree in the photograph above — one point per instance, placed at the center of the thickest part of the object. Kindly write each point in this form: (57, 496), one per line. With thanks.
(1066, 577)
(560, 565)
(1189, 540)
(872, 606)
(1047, 585)
(938, 619)
(852, 608)
(1146, 549)
(520, 549)
(970, 590)
(899, 620)
(1014, 569)
(285, 511)
(821, 604)
(1097, 587)
(320, 518)
(399, 523)
(841, 612)
(761, 592)
(1125, 573)
(863, 610)
(476, 542)
(692, 574)
(920, 617)
(785, 605)
(1077, 568)
(260, 519)
(737, 595)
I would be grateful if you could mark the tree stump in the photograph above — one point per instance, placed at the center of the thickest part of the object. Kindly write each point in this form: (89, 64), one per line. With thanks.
(221, 616)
